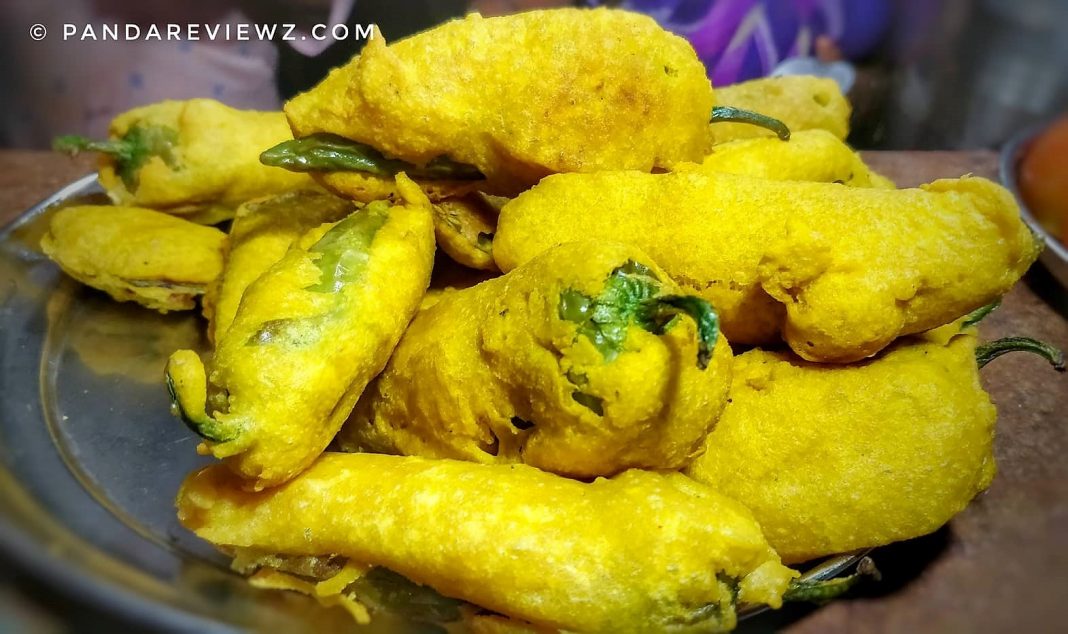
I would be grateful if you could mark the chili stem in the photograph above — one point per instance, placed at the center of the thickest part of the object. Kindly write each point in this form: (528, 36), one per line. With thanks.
(979, 314)
(737, 115)
(72, 144)
(987, 352)
(696, 308)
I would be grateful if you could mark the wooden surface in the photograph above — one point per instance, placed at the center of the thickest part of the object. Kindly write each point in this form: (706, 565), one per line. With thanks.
(1002, 564)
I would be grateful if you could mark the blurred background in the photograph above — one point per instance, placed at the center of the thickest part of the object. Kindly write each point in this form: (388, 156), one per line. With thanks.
(922, 74)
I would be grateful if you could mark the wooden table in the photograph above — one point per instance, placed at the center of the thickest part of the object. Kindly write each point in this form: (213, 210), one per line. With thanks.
(1002, 564)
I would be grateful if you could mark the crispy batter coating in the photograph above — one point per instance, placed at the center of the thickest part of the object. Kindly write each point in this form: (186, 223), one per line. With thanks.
(262, 232)
(838, 271)
(879, 181)
(641, 552)
(214, 155)
(464, 230)
(809, 155)
(802, 102)
(831, 459)
(364, 187)
(307, 337)
(522, 96)
(135, 254)
(498, 373)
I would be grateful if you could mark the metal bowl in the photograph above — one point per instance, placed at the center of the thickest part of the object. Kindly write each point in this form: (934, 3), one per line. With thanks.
(1055, 256)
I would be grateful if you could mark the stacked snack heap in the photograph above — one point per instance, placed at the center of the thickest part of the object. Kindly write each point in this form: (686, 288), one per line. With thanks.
(561, 439)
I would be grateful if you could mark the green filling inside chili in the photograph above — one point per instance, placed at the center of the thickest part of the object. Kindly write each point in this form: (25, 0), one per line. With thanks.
(604, 319)
(345, 249)
(630, 296)
(343, 254)
(821, 591)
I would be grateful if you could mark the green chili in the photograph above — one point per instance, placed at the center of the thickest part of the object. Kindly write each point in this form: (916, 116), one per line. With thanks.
(199, 422)
(825, 590)
(342, 258)
(343, 249)
(294, 333)
(332, 153)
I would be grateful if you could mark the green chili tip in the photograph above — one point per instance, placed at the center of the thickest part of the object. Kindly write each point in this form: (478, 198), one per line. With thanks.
(393, 591)
(658, 311)
(201, 424)
(332, 153)
(987, 352)
(824, 590)
(737, 115)
(979, 314)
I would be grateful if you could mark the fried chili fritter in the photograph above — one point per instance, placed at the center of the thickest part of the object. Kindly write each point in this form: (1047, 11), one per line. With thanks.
(135, 254)
(837, 272)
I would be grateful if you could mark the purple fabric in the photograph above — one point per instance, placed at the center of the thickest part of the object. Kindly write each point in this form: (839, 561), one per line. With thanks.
(743, 39)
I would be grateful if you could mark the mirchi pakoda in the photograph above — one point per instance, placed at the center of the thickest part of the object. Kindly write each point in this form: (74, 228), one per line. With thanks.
(495, 104)
(531, 545)
(133, 254)
(464, 230)
(837, 272)
(833, 458)
(307, 337)
(262, 231)
(196, 158)
(584, 362)
(801, 102)
(809, 155)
